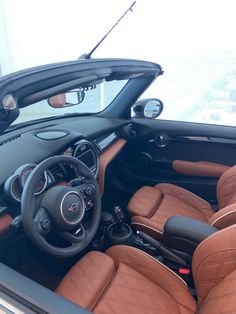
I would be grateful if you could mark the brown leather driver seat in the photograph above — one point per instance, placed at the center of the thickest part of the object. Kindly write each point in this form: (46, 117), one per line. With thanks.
(150, 207)
(127, 280)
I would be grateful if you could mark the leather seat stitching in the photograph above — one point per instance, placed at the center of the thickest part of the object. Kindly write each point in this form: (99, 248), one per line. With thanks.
(103, 290)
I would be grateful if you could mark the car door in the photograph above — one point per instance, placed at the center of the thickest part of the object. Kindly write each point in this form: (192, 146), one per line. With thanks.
(190, 155)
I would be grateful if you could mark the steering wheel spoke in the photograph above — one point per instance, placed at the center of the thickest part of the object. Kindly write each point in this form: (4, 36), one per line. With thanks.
(76, 236)
(43, 222)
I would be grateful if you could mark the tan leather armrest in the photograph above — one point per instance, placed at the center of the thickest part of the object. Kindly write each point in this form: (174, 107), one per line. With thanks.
(199, 168)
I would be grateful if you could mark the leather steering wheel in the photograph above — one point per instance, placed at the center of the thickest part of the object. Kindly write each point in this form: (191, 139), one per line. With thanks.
(61, 209)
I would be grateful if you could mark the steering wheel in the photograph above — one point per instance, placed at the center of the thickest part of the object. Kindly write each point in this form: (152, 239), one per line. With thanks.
(61, 210)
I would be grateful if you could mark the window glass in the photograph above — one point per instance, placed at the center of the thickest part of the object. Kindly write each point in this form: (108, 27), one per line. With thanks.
(203, 90)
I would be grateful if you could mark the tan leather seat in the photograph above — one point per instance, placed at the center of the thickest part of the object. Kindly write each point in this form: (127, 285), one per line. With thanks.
(150, 207)
(127, 280)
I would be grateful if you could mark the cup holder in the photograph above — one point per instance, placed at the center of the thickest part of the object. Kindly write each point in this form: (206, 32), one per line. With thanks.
(119, 234)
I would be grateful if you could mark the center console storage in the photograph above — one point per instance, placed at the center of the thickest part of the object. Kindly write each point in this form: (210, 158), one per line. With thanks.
(185, 234)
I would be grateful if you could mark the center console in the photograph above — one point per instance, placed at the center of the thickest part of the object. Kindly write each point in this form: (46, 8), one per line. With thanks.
(181, 237)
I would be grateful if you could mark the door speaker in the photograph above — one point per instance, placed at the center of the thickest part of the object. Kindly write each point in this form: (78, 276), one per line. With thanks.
(143, 161)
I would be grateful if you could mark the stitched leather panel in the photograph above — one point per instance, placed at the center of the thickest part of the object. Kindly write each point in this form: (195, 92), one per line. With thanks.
(213, 260)
(226, 188)
(145, 201)
(87, 279)
(224, 218)
(222, 298)
(105, 158)
(130, 292)
(176, 201)
(199, 168)
(187, 197)
(155, 273)
(170, 206)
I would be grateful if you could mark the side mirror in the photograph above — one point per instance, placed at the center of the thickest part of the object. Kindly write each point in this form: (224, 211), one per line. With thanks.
(148, 108)
(68, 99)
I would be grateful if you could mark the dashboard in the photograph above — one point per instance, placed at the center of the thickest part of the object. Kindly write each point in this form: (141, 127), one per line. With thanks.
(93, 140)
(25, 150)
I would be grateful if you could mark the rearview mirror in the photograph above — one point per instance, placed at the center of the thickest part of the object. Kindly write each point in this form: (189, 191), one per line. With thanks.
(68, 99)
(148, 108)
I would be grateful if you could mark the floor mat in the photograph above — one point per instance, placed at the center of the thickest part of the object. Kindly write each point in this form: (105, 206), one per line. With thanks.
(38, 271)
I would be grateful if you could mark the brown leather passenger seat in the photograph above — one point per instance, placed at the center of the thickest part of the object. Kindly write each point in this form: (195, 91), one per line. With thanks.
(150, 207)
(126, 280)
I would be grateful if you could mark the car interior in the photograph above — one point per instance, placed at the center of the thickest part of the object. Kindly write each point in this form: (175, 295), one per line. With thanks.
(113, 212)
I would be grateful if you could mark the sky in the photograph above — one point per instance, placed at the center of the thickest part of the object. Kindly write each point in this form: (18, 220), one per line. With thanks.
(193, 41)
(35, 32)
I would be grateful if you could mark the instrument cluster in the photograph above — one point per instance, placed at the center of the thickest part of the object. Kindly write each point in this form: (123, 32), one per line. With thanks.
(14, 185)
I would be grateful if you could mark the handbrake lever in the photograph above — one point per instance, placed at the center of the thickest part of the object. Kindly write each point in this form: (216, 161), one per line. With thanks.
(158, 245)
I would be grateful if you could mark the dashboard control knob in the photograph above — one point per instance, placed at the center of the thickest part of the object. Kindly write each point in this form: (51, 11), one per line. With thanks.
(45, 224)
(16, 222)
(89, 190)
(89, 204)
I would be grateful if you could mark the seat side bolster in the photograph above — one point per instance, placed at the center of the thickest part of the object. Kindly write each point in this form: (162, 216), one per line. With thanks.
(145, 201)
(226, 187)
(84, 284)
(213, 260)
(224, 217)
(155, 272)
(187, 197)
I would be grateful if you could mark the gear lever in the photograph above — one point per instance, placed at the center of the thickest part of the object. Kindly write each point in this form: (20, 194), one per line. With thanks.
(119, 217)
(119, 232)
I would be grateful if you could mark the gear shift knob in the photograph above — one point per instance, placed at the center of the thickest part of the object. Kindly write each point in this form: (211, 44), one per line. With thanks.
(118, 214)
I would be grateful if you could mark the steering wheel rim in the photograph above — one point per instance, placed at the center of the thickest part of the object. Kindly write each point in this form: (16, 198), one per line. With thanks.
(29, 208)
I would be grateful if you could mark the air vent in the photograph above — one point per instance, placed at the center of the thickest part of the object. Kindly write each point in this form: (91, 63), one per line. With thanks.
(10, 139)
(129, 131)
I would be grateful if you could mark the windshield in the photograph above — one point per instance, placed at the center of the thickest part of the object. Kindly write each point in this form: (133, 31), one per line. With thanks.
(95, 100)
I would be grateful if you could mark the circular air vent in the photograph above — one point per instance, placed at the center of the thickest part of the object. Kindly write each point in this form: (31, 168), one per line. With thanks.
(129, 131)
(88, 153)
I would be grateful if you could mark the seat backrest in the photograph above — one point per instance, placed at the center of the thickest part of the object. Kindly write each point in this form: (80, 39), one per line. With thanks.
(214, 272)
(226, 188)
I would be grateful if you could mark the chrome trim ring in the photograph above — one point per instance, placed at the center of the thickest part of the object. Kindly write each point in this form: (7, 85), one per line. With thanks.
(83, 208)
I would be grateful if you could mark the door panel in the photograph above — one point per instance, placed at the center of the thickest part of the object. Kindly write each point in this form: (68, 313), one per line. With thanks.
(199, 168)
(148, 159)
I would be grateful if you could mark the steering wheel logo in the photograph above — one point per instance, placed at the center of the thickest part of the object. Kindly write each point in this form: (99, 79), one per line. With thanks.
(74, 207)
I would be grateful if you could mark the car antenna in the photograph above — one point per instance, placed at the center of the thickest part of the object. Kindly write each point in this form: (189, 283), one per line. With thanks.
(88, 55)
